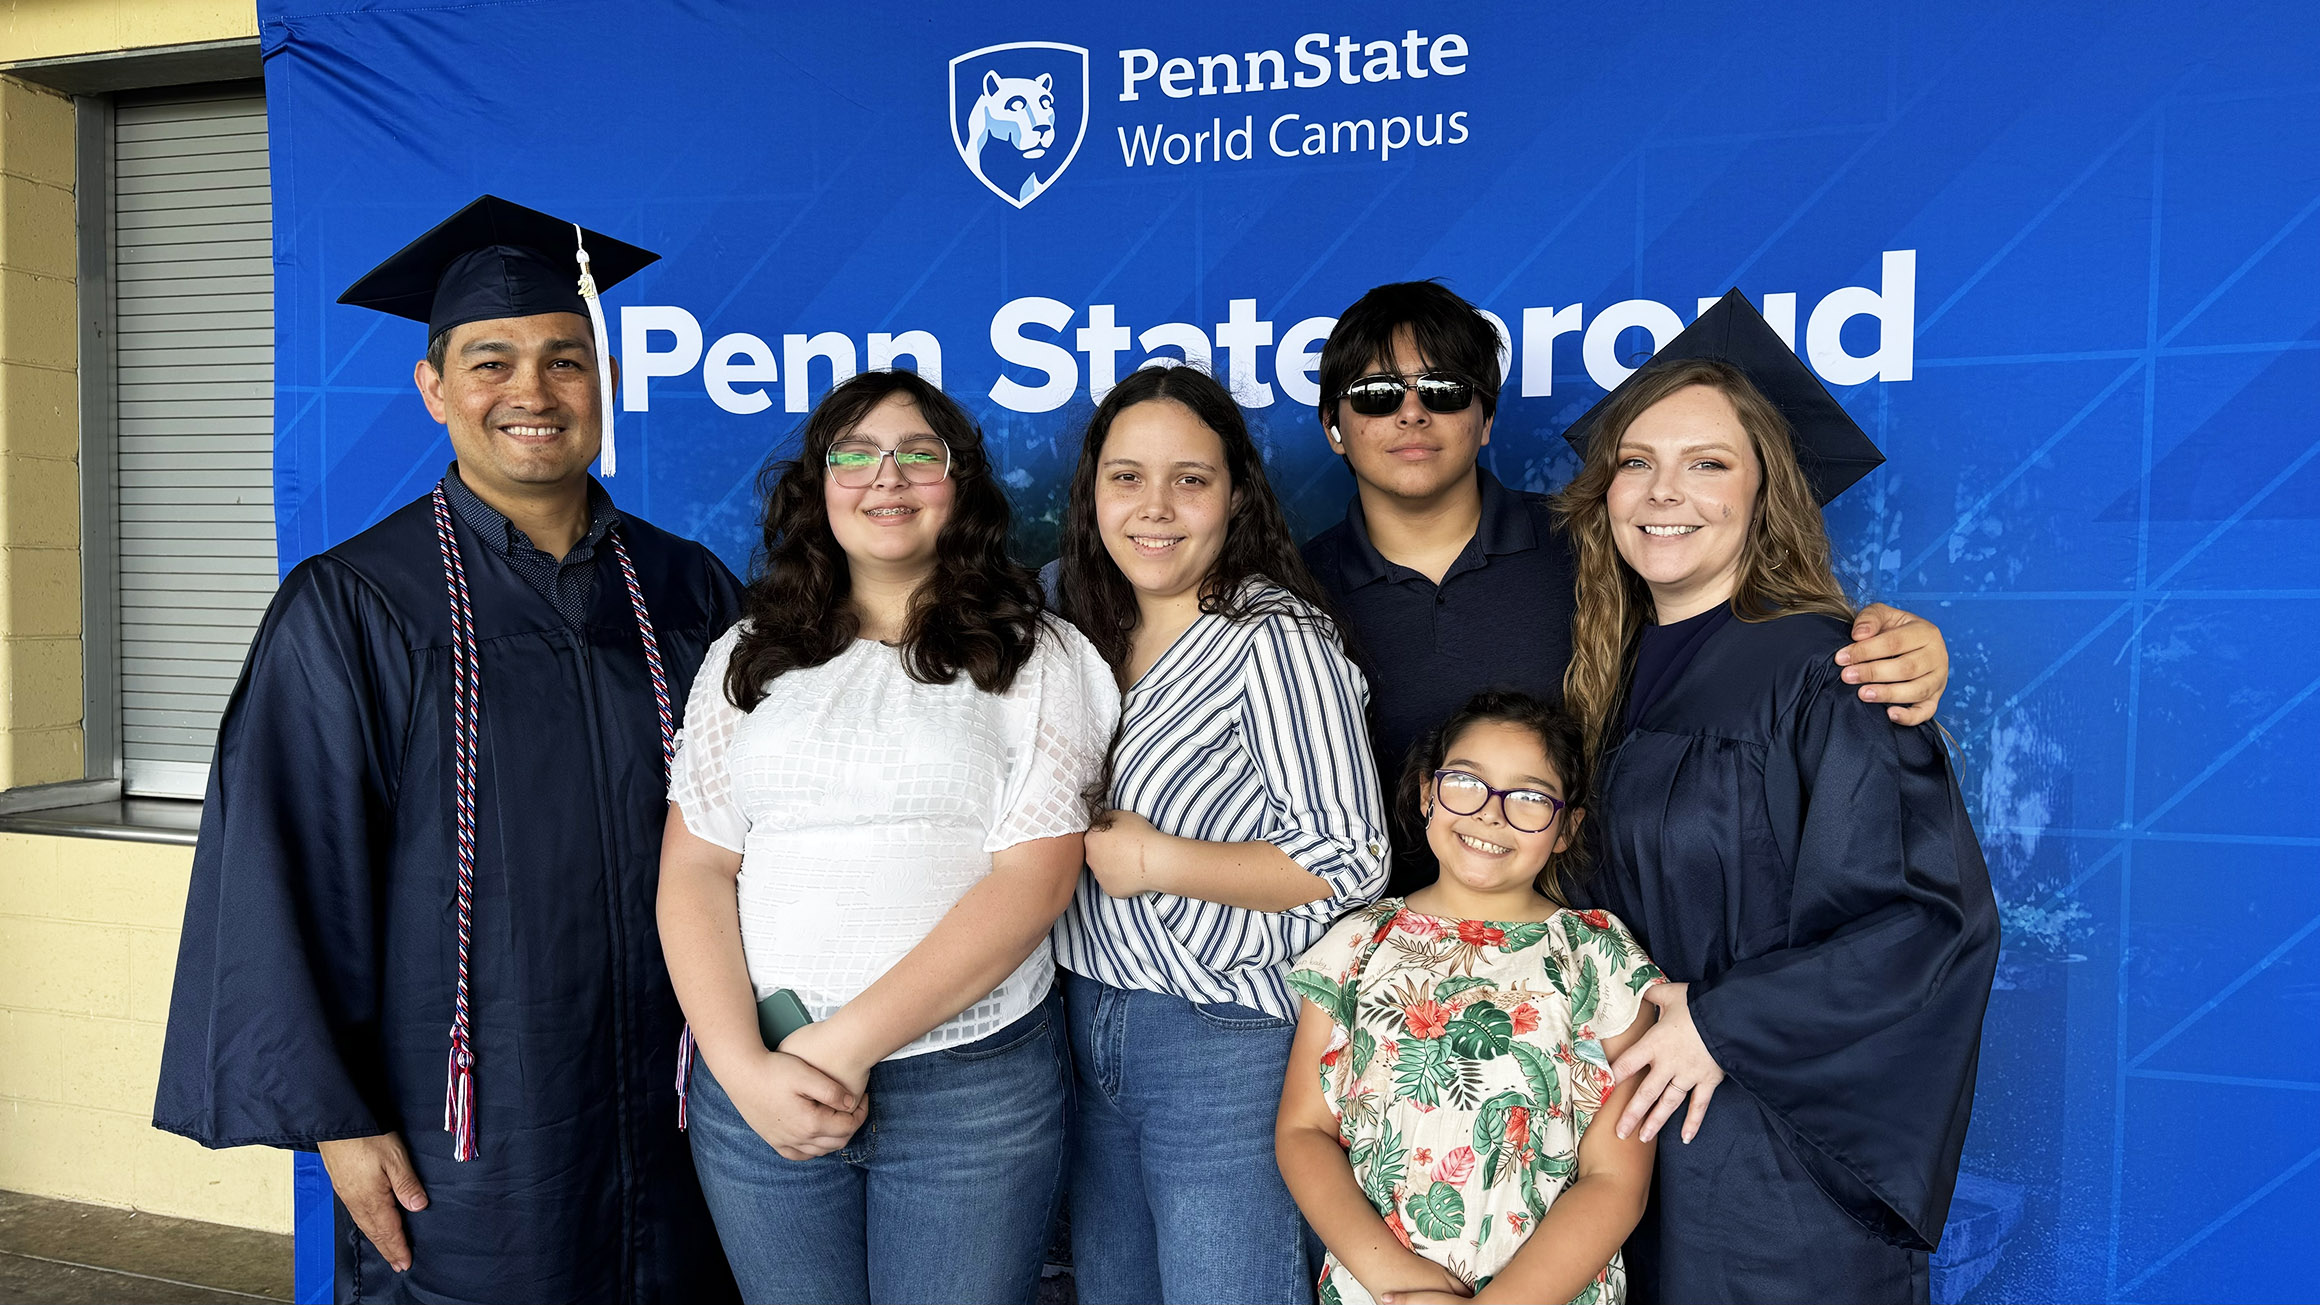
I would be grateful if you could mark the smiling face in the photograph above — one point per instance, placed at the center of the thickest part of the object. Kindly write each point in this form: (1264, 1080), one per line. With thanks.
(1163, 499)
(1681, 499)
(888, 529)
(1482, 853)
(519, 398)
(1410, 453)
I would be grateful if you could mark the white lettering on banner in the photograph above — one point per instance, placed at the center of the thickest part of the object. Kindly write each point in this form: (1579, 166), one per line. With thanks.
(719, 371)
(1289, 136)
(923, 350)
(1599, 346)
(1412, 56)
(1297, 365)
(1240, 335)
(1103, 341)
(798, 350)
(1189, 341)
(1540, 327)
(1039, 373)
(1046, 356)
(1895, 308)
(640, 363)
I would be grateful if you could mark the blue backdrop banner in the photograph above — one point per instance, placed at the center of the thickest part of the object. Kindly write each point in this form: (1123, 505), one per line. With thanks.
(2060, 264)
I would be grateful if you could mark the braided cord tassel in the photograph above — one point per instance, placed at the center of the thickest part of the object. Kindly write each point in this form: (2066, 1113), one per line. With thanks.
(660, 684)
(652, 656)
(466, 695)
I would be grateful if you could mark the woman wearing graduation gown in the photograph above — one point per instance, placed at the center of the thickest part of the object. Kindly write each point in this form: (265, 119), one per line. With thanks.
(1801, 868)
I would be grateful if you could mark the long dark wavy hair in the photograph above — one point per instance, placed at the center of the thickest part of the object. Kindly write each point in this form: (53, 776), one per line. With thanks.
(978, 612)
(1559, 736)
(1257, 543)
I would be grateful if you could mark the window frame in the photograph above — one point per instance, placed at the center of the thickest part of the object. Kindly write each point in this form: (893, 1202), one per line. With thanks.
(97, 805)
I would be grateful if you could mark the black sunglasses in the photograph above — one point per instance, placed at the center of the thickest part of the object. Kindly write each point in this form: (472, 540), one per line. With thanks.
(1375, 396)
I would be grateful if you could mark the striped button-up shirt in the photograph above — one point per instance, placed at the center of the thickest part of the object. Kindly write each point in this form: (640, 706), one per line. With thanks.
(1242, 731)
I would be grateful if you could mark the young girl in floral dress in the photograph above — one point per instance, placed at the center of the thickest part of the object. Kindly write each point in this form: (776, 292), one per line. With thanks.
(1439, 1123)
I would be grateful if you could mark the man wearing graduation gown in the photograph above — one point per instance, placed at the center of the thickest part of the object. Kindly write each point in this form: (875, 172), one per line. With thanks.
(1448, 581)
(421, 936)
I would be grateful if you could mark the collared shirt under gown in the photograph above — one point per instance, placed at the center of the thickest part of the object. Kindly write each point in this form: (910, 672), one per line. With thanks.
(315, 979)
(1808, 868)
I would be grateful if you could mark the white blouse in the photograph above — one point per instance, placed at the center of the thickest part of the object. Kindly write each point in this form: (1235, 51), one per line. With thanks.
(865, 804)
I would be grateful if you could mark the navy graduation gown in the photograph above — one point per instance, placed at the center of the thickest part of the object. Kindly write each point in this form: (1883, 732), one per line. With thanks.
(315, 978)
(1808, 867)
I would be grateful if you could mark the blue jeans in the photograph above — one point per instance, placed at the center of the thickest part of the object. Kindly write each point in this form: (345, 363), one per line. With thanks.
(945, 1194)
(1175, 1195)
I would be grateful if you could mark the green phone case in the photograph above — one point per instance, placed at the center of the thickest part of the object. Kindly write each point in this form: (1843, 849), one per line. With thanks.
(779, 1015)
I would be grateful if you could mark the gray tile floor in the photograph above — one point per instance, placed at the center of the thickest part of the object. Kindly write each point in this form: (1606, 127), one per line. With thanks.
(63, 1253)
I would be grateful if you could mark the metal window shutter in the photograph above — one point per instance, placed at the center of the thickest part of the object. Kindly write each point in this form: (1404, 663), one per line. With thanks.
(193, 313)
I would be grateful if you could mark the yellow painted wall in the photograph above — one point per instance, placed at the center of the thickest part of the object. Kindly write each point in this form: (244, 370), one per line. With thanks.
(40, 578)
(88, 928)
(48, 29)
(88, 946)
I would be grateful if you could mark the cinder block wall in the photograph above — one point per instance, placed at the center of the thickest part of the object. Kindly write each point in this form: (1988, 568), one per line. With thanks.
(40, 574)
(88, 945)
(88, 928)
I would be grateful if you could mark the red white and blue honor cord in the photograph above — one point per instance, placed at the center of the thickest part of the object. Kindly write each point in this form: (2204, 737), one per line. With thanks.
(466, 712)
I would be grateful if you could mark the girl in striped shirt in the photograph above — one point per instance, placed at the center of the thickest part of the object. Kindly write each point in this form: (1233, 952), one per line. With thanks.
(1245, 818)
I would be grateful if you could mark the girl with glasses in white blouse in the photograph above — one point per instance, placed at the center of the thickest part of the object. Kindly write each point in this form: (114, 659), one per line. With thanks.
(876, 815)
(1246, 817)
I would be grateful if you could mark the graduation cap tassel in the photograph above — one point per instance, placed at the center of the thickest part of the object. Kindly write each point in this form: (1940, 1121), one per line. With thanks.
(603, 349)
(466, 694)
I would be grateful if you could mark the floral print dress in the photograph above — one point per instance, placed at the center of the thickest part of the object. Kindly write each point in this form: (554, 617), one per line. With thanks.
(1465, 1062)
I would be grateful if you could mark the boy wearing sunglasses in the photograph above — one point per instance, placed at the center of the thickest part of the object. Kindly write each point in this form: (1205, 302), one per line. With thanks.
(1450, 582)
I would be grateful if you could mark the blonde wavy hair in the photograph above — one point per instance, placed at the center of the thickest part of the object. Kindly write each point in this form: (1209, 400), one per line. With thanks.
(1784, 564)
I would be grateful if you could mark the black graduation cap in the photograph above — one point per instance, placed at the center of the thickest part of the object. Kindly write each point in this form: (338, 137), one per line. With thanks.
(496, 259)
(1830, 446)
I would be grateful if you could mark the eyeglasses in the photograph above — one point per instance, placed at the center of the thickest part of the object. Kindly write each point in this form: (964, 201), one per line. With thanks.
(921, 460)
(1375, 396)
(1527, 809)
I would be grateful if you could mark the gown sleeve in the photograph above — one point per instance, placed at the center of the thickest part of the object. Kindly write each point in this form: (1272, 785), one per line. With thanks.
(726, 594)
(1860, 1035)
(273, 1031)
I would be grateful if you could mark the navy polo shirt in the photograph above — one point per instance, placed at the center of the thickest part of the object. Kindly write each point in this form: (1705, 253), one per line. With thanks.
(1501, 618)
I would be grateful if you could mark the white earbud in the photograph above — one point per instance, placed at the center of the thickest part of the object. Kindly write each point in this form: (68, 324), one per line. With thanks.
(1334, 437)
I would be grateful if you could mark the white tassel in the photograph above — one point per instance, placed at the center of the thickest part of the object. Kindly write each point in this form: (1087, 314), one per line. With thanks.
(607, 458)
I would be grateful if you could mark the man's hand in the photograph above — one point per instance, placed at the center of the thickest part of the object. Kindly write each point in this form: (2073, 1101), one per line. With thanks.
(1115, 854)
(375, 1181)
(1897, 658)
(800, 1111)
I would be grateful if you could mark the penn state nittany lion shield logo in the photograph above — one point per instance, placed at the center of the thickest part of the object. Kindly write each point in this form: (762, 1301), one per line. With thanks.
(1018, 114)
